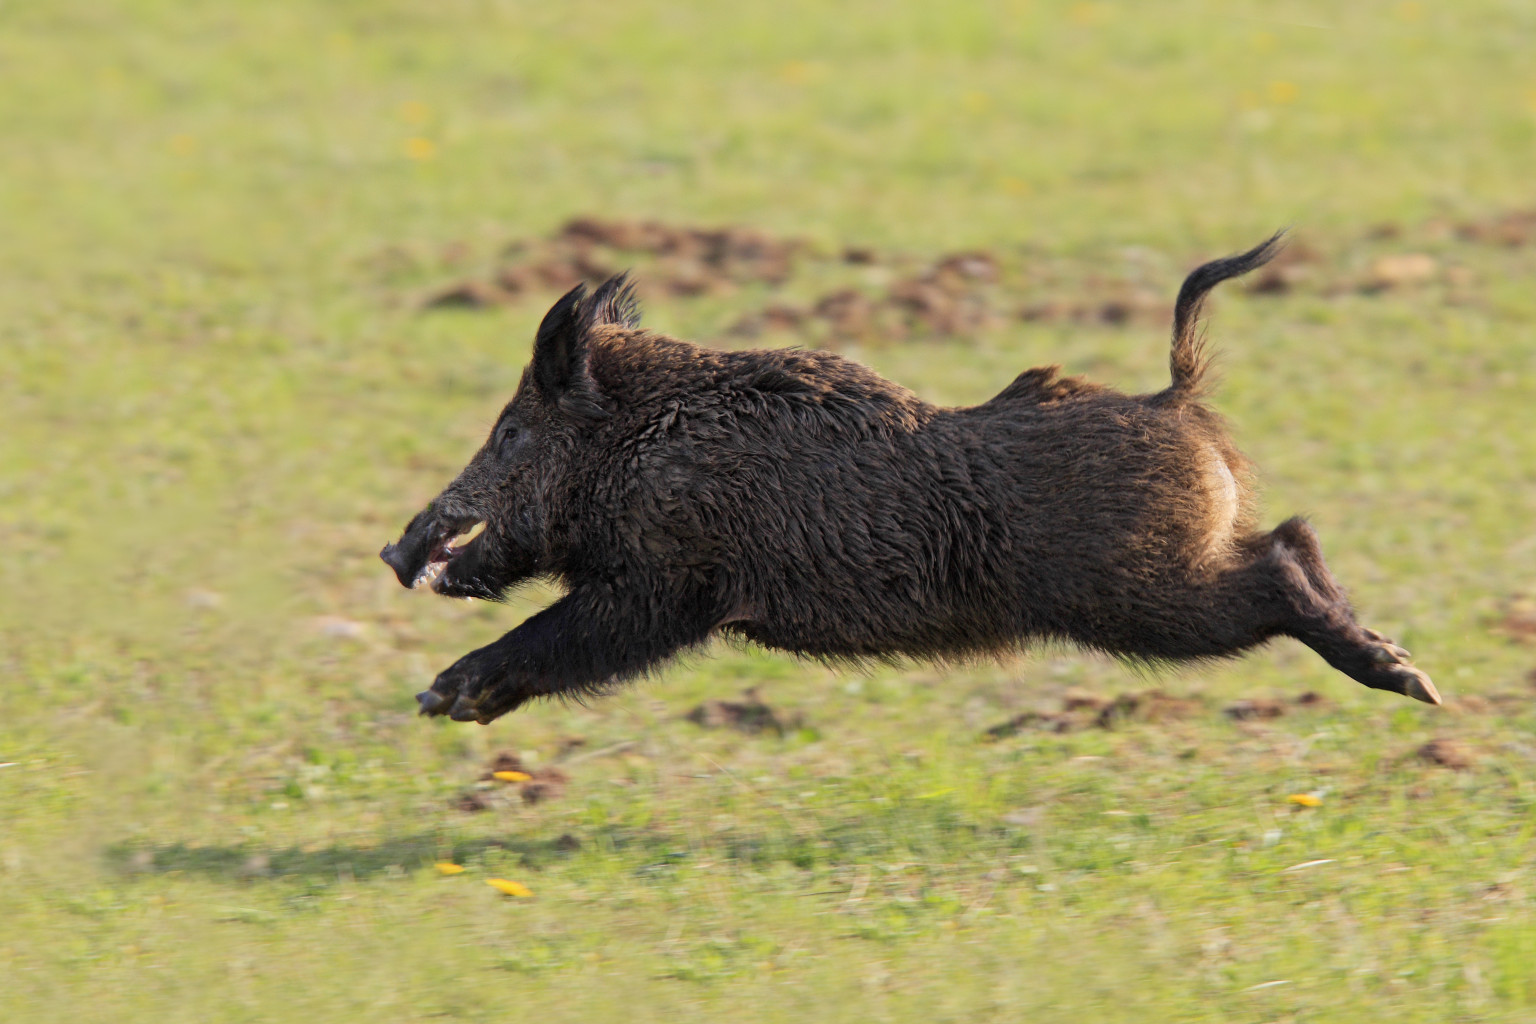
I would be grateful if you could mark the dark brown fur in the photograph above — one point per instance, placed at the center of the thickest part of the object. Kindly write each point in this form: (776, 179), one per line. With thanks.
(801, 501)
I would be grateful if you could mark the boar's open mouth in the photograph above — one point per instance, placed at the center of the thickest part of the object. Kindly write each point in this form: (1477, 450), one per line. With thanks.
(425, 548)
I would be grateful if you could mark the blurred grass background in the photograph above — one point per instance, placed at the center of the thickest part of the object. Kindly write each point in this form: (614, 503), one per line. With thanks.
(219, 399)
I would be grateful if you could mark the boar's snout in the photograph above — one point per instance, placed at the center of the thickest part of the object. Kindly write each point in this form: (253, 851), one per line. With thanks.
(423, 544)
(399, 558)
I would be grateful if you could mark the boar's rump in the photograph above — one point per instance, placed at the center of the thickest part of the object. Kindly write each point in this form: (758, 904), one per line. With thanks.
(801, 501)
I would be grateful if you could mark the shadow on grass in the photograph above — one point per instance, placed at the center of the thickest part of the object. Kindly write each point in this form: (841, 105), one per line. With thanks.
(252, 861)
(646, 853)
(926, 831)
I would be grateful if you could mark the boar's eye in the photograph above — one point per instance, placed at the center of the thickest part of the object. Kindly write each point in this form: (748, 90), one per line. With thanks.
(510, 437)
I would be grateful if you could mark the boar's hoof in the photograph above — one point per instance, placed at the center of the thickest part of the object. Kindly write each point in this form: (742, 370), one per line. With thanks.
(1388, 669)
(1417, 685)
(463, 711)
(1389, 654)
(431, 702)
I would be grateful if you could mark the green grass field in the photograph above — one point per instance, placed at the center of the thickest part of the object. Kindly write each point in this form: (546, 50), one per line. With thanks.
(219, 398)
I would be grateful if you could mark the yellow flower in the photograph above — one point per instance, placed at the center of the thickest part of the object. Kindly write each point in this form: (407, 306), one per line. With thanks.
(1304, 800)
(418, 148)
(797, 72)
(446, 868)
(511, 776)
(1087, 14)
(1282, 92)
(510, 888)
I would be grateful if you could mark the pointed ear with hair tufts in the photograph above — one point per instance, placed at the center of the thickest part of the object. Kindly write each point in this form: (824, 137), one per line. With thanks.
(614, 302)
(560, 358)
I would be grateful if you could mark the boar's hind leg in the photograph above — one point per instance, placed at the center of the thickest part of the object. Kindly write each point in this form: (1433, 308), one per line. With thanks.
(1290, 585)
(581, 644)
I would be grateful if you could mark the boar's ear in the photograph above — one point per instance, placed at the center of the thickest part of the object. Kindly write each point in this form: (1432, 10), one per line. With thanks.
(560, 358)
(614, 303)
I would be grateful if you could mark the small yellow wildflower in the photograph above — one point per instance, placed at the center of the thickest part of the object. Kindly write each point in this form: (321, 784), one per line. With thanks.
(1282, 92)
(510, 888)
(511, 776)
(447, 868)
(1087, 14)
(1304, 800)
(797, 72)
(418, 148)
(183, 145)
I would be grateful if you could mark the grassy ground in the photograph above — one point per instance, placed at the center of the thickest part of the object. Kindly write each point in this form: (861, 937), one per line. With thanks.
(219, 400)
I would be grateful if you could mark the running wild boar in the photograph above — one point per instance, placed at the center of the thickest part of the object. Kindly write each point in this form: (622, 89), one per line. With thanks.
(799, 500)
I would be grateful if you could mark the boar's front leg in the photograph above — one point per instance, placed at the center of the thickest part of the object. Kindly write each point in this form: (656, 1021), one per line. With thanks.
(582, 644)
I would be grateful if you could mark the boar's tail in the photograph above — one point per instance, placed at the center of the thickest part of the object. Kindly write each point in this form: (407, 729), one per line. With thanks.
(1188, 360)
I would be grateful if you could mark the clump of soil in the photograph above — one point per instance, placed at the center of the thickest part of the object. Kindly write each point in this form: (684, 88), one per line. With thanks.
(1151, 706)
(749, 715)
(1295, 266)
(1517, 619)
(945, 299)
(1082, 710)
(546, 784)
(1258, 708)
(682, 261)
(1400, 270)
(542, 784)
(1250, 709)
(1039, 721)
(953, 296)
(1512, 228)
(505, 761)
(473, 802)
(1446, 754)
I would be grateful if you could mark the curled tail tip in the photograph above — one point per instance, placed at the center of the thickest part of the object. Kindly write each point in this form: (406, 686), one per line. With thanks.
(1188, 361)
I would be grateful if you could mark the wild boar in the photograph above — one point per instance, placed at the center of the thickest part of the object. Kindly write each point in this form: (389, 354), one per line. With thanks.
(803, 502)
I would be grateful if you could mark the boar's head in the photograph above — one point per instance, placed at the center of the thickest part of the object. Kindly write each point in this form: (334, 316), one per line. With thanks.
(512, 480)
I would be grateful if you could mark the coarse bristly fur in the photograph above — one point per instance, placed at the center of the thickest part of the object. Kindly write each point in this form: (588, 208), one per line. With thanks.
(799, 500)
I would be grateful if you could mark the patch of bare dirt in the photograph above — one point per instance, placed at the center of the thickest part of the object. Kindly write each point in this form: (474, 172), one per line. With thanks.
(1511, 228)
(1488, 703)
(473, 802)
(1149, 706)
(505, 761)
(1517, 618)
(748, 715)
(1400, 270)
(1254, 708)
(1259, 708)
(680, 261)
(1446, 754)
(504, 774)
(1038, 721)
(952, 296)
(1082, 710)
(546, 784)
(1297, 265)
(948, 298)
